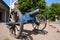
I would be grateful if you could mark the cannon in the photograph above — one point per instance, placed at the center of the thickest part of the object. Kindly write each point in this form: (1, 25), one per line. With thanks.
(30, 17)
(16, 21)
(37, 11)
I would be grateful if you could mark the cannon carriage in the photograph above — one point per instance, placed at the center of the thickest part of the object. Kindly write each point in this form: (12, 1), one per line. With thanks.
(17, 20)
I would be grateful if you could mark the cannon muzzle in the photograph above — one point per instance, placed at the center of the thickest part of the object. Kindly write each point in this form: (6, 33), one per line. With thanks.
(37, 11)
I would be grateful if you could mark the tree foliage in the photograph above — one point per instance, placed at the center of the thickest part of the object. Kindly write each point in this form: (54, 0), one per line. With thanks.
(54, 10)
(30, 5)
(49, 11)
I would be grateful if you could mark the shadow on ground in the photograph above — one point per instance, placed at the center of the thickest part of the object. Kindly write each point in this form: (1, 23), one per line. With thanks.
(35, 32)
(26, 37)
(30, 32)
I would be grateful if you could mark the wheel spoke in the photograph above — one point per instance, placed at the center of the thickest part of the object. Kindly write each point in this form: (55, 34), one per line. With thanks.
(41, 21)
(16, 26)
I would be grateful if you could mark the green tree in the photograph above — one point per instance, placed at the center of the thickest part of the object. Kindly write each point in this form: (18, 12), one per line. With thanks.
(54, 10)
(30, 5)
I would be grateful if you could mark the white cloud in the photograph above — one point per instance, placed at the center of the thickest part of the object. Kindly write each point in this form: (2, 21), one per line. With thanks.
(12, 4)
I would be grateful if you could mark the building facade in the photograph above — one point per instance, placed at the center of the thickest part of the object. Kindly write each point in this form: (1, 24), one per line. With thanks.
(4, 11)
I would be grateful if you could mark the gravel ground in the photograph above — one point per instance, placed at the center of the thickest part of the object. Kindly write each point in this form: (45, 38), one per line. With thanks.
(48, 34)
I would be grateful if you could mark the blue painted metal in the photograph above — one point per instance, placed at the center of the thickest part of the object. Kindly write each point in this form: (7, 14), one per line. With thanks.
(30, 17)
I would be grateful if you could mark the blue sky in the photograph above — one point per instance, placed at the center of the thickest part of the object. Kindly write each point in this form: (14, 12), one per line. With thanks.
(8, 2)
(47, 1)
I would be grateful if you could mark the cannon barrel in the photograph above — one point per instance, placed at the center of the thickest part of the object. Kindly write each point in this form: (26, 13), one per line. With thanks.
(37, 11)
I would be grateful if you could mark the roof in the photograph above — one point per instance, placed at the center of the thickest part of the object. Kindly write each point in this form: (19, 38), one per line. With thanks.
(4, 3)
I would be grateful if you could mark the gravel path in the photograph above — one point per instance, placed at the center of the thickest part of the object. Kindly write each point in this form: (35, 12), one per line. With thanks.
(48, 34)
